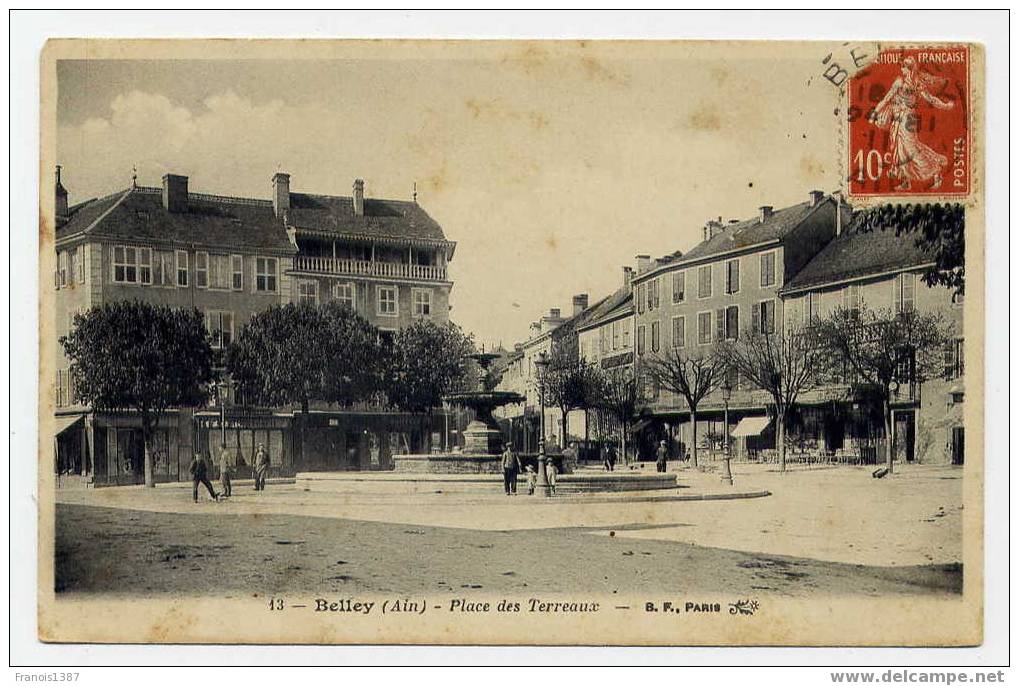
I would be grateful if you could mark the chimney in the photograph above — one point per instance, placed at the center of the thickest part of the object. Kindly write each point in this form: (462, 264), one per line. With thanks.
(61, 197)
(579, 303)
(175, 193)
(712, 228)
(280, 194)
(816, 197)
(358, 197)
(627, 275)
(555, 313)
(643, 263)
(766, 211)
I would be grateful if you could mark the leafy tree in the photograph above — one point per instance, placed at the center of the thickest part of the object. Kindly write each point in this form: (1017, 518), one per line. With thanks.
(691, 376)
(430, 361)
(784, 364)
(939, 230)
(566, 382)
(296, 353)
(623, 394)
(884, 350)
(132, 355)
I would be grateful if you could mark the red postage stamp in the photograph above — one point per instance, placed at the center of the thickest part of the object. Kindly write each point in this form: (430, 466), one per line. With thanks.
(909, 130)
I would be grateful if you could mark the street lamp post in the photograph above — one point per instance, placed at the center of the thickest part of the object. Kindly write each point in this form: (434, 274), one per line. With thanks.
(726, 467)
(541, 364)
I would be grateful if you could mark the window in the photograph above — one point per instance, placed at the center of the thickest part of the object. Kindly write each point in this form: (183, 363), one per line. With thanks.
(201, 269)
(182, 269)
(811, 308)
(265, 274)
(237, 268)
(603, 339)
(732, 323)
(221, 327)
(626, 333)
(162, 268)
(732, 276)
(704, 281)
(62, 268)
(344, 293)
(422, 303)
(763, 317)
(954, 359)
(703, 328)
(679, 287)
(145, 266)
(387, 304)
(79, 265)
(653, 294)
(640, 339)
(903, 290)
(617, 327)
(641, 294)
(851, 299)
(656, 336)
(678, 332)
(125, 264)
(220, 272)
(767, 269)
(307, 292)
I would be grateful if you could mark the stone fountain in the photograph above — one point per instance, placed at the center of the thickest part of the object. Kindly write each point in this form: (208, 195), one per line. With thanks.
(483, 439)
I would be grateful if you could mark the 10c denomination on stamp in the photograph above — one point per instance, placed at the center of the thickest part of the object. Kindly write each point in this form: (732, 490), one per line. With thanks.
(909, 131)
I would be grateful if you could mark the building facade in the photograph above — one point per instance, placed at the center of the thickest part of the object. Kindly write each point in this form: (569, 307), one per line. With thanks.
(882, 272)
(231, 257)
(730, 281)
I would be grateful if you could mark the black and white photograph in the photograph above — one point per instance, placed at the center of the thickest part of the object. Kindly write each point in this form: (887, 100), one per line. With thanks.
(512, 342)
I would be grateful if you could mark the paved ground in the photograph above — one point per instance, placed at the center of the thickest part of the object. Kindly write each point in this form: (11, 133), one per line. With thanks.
(823, 531)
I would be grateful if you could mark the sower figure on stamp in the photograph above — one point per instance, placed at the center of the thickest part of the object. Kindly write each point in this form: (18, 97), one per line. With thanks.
(510, 469)
(199, 469)
(226, 471)
(261, 467)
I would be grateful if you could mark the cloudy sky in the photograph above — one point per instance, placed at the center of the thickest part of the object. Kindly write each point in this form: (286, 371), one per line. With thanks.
(550, 165)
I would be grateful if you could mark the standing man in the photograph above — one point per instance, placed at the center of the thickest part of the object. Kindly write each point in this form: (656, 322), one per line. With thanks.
(510, 469)
(261, 467)
(551, 473)
(199, 469)
(610, 457)
(661, 456)
(225, 471)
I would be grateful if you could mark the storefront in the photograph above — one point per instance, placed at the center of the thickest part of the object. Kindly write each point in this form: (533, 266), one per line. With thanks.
(241, 432)
(361, 441)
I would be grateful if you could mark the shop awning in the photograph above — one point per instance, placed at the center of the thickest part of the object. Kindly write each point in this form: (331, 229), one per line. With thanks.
(639, 426)
(69, 422)
(751, 426)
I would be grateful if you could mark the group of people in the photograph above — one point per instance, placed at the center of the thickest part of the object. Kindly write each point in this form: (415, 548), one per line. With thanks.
(512, 467)
(199, 470)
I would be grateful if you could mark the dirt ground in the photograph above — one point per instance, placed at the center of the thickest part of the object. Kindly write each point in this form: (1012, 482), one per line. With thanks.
(802, 541)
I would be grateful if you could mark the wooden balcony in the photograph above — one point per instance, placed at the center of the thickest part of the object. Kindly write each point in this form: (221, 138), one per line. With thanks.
(386, 270)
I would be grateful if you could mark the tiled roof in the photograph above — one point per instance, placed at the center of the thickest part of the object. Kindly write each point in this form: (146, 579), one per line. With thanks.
(613, 305)
(858, 253)
(744, 234)
(335, 214)
(210, 221)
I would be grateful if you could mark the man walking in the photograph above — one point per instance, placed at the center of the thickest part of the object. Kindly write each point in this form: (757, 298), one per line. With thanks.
(200, 475)
(226, 471)
(261, 467)
(551, 473)
(662, 456)
(610, 457)
(510, 469)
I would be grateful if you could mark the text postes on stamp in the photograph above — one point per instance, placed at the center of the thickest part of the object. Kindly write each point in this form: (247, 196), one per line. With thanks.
(909, 124)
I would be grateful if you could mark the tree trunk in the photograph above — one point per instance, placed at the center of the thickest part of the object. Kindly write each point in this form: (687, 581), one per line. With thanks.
(587, 429)
(300, 433)
(780, 437)
(890, 447)
(150, 479)
(566, 414)
(693, 437)
(622, 442)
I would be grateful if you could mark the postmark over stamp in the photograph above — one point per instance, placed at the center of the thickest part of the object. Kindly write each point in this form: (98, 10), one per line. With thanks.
(909, 124)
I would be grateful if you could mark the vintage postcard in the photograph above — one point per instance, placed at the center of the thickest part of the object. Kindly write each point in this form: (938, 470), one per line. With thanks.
(512, 342)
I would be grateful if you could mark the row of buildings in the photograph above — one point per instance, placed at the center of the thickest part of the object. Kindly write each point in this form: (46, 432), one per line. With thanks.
(231, 257)
(782, 267)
